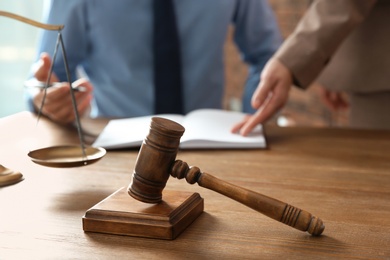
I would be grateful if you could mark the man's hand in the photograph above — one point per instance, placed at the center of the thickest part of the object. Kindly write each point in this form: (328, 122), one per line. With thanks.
(41, 69)
(58, 102)
(271, 95)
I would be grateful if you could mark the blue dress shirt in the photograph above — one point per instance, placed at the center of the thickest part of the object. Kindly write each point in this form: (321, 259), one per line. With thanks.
(112, 42)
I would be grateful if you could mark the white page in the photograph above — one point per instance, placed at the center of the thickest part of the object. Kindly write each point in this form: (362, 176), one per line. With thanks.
(204, 128)
(213, 125)
(128, 132)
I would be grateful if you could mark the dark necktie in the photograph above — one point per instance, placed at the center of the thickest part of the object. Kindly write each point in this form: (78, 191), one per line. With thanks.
(167, 64)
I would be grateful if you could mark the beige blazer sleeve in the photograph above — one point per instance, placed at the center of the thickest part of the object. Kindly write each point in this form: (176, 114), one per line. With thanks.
(318, 35)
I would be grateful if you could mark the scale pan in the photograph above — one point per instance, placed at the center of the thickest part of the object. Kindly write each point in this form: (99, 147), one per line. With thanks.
(66, 156)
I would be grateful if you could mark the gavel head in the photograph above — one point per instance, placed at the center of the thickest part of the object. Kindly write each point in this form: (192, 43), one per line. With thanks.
(155, 159)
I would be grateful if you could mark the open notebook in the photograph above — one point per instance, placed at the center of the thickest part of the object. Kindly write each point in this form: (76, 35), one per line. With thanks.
(204, 128)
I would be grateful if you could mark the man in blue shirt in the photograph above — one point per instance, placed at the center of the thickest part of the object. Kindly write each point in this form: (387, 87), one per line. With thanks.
(112, 42)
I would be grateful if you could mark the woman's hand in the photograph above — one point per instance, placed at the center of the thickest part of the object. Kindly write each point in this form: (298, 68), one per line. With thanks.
(270, 96)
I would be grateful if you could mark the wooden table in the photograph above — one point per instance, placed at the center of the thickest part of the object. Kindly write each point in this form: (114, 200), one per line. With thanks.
(339, 175)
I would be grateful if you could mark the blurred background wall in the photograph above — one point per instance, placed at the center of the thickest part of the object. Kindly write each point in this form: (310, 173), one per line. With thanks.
(17, 47)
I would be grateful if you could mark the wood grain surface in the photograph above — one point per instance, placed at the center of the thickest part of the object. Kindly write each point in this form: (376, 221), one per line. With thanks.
(341, 175)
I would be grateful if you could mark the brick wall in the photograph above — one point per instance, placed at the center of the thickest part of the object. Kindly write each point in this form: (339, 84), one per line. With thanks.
(304, 107)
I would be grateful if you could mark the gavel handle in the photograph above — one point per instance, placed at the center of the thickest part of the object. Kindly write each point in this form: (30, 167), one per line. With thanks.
(273, 208)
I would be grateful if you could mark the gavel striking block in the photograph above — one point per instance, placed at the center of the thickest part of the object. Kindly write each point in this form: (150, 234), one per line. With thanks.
(156, 162)
(163, 218)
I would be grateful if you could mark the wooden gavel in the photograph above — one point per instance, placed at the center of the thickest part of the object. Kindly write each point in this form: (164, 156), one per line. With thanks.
(157, 161)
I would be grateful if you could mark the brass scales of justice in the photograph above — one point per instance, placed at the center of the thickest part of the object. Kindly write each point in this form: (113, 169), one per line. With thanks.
(67, 155)
(145, 209)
